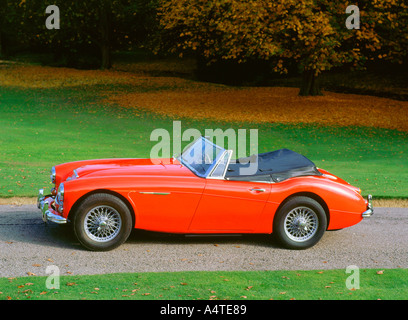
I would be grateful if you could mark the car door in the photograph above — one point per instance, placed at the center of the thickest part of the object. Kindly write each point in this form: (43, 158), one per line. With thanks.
(230, 206)
(166, 204)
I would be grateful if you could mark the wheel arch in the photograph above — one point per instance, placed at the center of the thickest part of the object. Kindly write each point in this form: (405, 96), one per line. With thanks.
(311, 195)
(103, 191)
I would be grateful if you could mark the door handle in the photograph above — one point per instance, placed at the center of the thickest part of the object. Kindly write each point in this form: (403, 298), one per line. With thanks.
(257, 190)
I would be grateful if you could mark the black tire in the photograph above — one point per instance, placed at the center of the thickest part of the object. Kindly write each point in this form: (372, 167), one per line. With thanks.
(102, 222)
(300, 223)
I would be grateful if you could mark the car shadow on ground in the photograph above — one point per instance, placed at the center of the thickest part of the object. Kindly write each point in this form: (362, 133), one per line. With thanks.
(33, 231)
(62, 236)
(150, 237)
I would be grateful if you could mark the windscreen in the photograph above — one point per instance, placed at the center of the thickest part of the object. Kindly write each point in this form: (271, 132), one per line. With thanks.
(201, 156)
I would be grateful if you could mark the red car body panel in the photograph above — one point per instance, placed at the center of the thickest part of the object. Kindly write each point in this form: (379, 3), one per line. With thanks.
(166, 196)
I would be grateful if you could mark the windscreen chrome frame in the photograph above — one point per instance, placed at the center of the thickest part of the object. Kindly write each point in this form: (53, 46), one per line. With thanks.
(227, 153)
(213, 166)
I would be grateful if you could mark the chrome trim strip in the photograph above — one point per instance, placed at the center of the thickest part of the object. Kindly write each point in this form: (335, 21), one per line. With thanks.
(156, 193)
(254, 181)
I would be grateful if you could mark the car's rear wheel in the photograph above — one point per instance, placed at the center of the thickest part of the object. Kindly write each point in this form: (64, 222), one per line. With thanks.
(102, 222)
(300, 223)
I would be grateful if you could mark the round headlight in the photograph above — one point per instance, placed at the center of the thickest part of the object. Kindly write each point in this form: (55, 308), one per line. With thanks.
(61, 191)
(53, 175)
(60, 197)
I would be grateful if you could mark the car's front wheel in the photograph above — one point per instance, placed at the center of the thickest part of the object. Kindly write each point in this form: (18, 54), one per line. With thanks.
(300, 223)
(102, 222)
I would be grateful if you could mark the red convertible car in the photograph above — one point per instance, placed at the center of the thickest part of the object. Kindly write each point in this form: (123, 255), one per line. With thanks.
(202, 191)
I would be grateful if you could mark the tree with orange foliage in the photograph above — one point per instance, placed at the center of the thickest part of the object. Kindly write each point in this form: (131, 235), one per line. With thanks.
(310, 33)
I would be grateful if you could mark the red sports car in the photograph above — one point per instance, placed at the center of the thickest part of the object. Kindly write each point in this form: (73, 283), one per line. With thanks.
(202, 191)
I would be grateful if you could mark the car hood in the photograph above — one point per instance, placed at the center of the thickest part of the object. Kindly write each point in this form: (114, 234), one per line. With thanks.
(132, 167)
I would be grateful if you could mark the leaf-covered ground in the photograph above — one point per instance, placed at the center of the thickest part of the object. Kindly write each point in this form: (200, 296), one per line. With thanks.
(271, 105)
(178, 97)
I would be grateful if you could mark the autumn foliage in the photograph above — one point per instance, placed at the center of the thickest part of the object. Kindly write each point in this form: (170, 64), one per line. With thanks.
(309, 33)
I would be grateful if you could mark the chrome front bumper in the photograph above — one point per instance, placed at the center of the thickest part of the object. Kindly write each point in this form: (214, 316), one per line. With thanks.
(370, 211)
(48, 214)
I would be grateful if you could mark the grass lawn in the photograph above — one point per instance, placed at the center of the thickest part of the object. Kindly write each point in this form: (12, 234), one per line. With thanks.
(41, 127)
(230, 285)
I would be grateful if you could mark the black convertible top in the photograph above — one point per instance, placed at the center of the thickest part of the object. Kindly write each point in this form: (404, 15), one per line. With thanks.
(274, 166)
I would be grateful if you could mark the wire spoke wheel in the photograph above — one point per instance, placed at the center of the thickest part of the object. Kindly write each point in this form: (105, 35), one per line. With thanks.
(102, 223)
(301, 224)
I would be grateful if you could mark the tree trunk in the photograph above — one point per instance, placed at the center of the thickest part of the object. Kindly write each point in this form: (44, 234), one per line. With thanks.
(105, 26)
(106, 61)
(310, 85)
(1, 46)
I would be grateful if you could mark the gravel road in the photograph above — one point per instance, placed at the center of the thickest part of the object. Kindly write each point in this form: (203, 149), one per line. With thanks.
(28, 246)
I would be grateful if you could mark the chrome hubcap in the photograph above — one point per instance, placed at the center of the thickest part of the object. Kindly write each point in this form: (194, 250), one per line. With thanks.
(102, 223)
(301, 224)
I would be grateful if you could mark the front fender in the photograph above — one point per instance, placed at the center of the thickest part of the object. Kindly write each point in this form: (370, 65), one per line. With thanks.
(77, 189)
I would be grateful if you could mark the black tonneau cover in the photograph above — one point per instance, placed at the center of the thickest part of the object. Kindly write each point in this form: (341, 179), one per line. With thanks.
(274, 166)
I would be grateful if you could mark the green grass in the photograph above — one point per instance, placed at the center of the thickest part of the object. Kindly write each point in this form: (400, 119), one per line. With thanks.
(215, 285)
(43, 127)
